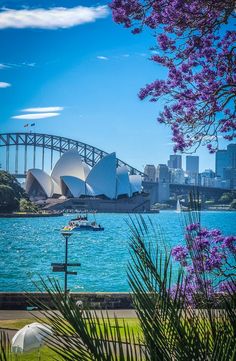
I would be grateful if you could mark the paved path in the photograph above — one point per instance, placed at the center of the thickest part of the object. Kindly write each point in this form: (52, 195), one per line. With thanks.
(17, 315)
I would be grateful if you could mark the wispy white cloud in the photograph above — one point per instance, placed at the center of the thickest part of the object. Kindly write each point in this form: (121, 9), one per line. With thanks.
(19, 65)
(102, 57)
(53, 18)
(35, 116)
(4, 85)
(31, 65)
(4, 66)
(43, 109)
(155, 52)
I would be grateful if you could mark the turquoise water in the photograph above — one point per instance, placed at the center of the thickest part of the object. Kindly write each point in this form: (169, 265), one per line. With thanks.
(29, 246)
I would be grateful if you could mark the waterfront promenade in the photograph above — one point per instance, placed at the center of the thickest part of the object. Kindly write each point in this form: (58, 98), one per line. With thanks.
(19, 314)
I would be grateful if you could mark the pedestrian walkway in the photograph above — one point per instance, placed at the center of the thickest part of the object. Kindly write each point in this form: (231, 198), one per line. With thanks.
(20, 314)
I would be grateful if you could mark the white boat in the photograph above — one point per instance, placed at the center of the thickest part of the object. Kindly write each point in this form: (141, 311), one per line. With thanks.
(81, 223)
(178, 207)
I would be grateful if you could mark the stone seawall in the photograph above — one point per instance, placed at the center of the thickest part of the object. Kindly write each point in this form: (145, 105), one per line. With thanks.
(92, 300)
(30, 215)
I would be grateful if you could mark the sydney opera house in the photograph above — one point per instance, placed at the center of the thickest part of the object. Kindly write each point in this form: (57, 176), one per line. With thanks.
(72, 178)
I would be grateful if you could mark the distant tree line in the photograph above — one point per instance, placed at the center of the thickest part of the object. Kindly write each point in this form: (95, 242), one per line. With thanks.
(12, 196)
(227, 198)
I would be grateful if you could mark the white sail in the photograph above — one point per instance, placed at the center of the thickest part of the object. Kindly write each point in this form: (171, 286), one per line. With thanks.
(178, 207)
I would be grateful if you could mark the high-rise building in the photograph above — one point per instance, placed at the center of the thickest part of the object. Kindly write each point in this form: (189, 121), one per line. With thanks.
(163, 179)
(192, 164)
(231, 150)
(192, 168)
(207, 178)
(226, 165)
(175, 161)
(230, 176)
(163, 173)
(221, 162)
(150, 171)
(177, 176)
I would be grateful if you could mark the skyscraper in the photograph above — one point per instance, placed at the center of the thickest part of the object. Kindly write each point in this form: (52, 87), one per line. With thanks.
(177, 176)
(192, 164)
(231, 150)
(221, 162)
(163, 178)
(192, 169)
(175, 161)
(230, 176)
(150, 171)
(163, 173)
(225, 159)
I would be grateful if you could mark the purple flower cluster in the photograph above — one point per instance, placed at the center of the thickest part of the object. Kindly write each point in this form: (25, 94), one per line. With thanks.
(199, 54)
(193, 227)
(230, 243)
(180, 254)
(209, 261)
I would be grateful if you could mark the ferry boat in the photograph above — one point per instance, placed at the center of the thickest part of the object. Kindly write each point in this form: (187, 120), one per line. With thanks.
(81, 223)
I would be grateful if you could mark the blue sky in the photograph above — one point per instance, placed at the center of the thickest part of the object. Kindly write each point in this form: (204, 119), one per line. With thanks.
(93, 71)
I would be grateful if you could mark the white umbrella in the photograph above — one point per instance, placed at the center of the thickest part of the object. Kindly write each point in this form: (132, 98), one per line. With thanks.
(30, 337)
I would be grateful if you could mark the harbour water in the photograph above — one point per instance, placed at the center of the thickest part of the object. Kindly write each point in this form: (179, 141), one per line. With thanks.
(29, 246)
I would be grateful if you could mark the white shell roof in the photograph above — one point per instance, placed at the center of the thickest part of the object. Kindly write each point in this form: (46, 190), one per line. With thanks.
(70, 164)
(89, 190)
(123, 184)
(135, 183)
(86, 170)
(102, 177)
(70, 171)
(42, 178)
(75, 185)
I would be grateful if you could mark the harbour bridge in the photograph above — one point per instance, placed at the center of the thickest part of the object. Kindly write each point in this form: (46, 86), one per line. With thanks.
(21, 151)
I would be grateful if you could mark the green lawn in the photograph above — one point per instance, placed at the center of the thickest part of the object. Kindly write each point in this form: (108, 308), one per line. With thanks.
(45, 353)
(16, 324)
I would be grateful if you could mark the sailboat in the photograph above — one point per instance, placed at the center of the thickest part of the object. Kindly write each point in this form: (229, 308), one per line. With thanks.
(178, 207)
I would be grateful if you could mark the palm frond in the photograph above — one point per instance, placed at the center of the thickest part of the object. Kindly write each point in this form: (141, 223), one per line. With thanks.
(171, 330)
(5, 347)
(85, 336)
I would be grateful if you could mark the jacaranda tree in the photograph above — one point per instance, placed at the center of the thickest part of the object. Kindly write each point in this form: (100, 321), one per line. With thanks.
(209, 260)
(195, 42)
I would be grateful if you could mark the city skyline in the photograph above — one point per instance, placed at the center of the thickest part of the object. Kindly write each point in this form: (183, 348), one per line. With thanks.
(81, 81)
(222, 176)
(185, 156)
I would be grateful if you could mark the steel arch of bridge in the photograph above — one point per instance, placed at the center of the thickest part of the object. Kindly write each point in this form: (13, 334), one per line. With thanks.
(89, 154)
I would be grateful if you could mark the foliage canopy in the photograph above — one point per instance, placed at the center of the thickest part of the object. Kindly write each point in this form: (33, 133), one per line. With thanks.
(195, 42)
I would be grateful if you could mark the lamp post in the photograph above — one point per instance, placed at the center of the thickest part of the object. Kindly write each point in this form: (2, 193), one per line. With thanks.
(66, 235)
(63, 267)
